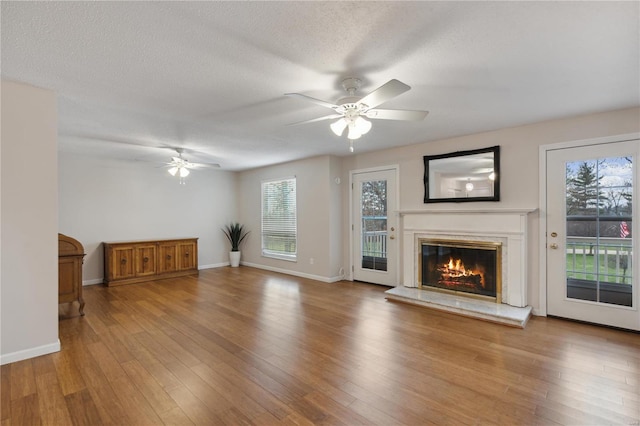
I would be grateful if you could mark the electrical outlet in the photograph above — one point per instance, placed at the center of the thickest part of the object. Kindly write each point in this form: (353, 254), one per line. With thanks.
(311, 261)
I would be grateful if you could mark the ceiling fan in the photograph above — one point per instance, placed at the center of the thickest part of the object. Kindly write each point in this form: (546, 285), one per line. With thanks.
(352, 110)
(180, 166)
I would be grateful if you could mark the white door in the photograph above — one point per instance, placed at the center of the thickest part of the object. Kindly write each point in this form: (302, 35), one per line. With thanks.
(374, 226)
(591, 253)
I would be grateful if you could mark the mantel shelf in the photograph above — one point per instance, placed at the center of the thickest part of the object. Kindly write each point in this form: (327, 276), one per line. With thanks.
(474, 211)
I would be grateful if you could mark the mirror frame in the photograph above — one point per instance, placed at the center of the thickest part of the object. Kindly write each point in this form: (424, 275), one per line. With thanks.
(496, 168)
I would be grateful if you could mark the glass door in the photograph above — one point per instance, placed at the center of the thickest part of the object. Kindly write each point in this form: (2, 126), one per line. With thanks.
(374, 227)
(590, 246)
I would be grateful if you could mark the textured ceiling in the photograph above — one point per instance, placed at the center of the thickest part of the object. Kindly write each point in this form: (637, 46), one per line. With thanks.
(136, 78)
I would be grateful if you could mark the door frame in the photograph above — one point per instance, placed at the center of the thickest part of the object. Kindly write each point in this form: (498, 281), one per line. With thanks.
(542, 202)
(395, 168)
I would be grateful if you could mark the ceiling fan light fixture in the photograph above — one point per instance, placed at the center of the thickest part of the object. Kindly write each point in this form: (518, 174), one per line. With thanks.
(338, 126)
(184, 172)
(353, 132)
(173, 171)
(362, 125)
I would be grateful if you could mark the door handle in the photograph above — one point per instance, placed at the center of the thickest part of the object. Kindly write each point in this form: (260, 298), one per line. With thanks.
(553, 246)
(392, 237)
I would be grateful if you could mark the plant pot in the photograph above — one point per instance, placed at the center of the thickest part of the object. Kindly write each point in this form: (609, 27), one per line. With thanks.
(234, 259)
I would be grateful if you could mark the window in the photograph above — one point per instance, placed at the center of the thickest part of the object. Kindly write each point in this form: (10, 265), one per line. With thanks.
(279, 222)
(599, 226)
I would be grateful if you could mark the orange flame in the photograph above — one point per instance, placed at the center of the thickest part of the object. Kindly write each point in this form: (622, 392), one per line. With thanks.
(455, 268)
(458, 266)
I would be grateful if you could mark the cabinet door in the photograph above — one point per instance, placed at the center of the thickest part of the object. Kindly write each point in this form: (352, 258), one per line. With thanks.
(68, 279)
(188, 255)
(122, 262)
(146, 260)
(167, 257)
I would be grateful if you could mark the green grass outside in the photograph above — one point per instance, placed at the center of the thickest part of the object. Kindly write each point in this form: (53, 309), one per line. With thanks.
(583, 267)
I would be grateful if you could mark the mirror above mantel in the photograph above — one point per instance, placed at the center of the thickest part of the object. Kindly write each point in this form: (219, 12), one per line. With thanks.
(462, 176)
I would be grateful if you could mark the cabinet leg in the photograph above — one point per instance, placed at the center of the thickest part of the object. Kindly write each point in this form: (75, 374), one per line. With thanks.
(81, 300)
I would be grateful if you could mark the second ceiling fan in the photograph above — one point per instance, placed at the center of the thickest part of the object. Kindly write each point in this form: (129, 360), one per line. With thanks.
(180, 166)
(352, 110)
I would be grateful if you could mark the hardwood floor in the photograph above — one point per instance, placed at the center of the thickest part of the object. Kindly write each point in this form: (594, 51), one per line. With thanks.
(245, 346)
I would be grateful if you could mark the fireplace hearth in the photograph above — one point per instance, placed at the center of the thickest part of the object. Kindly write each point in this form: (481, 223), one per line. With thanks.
(469, 268)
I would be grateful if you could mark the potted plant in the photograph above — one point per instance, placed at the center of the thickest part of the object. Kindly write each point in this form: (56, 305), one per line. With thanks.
(235, 234)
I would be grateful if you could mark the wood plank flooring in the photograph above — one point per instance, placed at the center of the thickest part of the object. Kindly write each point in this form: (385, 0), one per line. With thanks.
(242, 346)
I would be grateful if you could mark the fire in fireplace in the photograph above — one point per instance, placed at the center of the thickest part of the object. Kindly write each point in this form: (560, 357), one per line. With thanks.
(469, 267)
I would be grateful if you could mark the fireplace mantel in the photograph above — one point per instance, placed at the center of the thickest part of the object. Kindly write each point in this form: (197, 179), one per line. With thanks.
(506, 226)
(475, 211)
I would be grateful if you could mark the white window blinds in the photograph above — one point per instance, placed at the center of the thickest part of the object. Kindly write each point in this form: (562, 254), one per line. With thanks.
(279, 219)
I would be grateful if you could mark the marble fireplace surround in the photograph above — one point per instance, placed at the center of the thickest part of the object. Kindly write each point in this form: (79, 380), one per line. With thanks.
(505, 226)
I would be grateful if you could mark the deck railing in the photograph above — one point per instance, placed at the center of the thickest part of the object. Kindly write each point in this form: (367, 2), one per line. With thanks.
(604, 259)
(374, 243)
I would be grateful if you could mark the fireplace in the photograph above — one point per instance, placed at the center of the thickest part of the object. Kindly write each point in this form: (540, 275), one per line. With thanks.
(505, 227)
(493, 232)
(489, 236)
(470, 268)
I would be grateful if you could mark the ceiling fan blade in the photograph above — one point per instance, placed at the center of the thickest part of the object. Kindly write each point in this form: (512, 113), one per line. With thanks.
(326, 117)
(203, 165)
(382, 94)
(314, 100)
(396, 114)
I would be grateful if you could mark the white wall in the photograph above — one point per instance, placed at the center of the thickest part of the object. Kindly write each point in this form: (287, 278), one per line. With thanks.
(319, 223)
(336, 235)
(519, 148)
(29, 210)
(109, 200)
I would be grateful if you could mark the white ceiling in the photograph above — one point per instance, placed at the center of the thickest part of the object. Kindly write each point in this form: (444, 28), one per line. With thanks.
(136, 78)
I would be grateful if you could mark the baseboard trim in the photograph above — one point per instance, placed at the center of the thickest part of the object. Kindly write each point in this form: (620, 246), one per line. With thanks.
(30, 353)
(294, 273)
(213, 265)
(93, 282)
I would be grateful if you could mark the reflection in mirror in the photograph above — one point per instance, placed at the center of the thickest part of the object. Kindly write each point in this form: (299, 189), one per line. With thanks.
(463, 176)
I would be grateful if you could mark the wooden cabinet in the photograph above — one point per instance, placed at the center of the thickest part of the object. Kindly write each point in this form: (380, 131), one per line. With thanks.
(130, 262)
(70, 258)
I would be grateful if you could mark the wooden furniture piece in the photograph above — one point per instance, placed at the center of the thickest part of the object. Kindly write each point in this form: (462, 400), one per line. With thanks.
(128, 262)
(70, 258)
